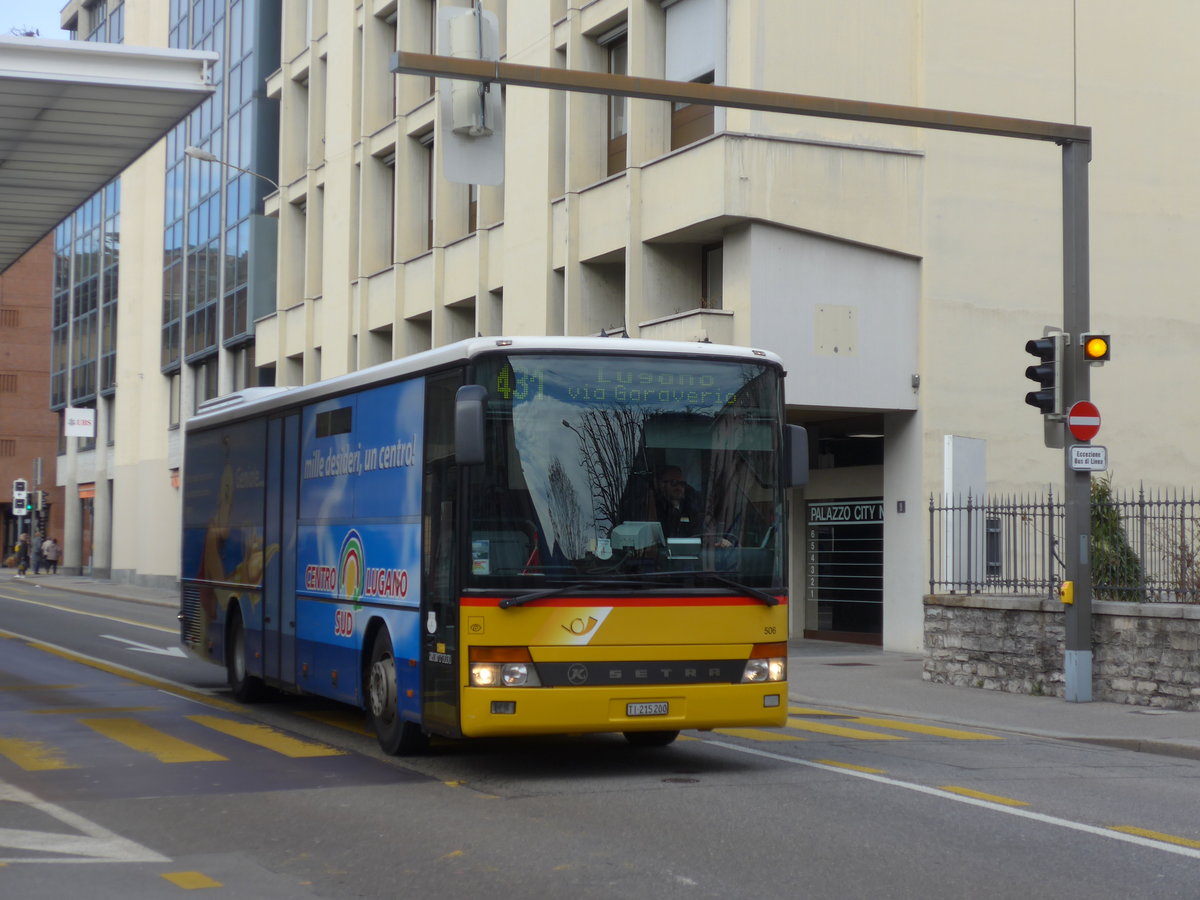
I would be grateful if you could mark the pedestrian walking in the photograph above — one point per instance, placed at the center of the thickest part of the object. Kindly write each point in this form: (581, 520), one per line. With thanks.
(50, 554)
(22, 550)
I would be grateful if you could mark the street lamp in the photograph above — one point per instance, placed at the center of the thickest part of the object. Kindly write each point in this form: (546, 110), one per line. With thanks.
(205, 156)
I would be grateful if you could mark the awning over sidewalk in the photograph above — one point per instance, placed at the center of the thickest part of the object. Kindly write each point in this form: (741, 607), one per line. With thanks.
(74, 115)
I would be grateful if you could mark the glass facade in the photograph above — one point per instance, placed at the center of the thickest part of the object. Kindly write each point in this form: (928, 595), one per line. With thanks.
(87, 262)
(211, 208)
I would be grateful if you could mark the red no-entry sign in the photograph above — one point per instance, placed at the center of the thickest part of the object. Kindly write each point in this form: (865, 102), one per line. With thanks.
(1084, 420)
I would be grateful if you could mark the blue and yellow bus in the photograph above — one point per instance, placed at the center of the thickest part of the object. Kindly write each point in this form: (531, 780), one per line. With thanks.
(504, 536)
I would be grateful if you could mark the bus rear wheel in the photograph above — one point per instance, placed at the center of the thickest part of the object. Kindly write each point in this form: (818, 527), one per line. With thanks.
(650, 738)
(245, 688)
(396, 736)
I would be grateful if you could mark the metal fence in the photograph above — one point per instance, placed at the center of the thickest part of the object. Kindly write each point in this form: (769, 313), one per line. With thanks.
(1145, 546)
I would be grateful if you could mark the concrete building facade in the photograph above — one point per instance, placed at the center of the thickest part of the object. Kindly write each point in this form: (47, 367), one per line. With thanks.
(899, 272)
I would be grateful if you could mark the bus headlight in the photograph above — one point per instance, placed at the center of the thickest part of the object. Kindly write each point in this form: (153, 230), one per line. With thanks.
(763, 670)
(503, 675)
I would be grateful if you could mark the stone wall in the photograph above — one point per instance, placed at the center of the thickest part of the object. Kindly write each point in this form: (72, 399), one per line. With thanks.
(1143, 654)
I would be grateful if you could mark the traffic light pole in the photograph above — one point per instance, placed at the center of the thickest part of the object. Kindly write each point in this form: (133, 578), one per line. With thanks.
(1075, 141)
(1077, 660)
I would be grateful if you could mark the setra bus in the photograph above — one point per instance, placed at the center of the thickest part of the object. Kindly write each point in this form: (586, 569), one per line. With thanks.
(502, 537)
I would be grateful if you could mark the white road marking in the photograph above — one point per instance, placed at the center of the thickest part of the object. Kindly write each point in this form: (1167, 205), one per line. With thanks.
(1094, 830)
(147, 648)
(90, 843)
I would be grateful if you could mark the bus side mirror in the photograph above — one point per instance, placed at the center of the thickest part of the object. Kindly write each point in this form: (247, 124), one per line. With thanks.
(468, 424)
(796, 447)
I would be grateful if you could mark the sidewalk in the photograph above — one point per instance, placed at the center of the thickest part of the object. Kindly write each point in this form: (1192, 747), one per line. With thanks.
(870, 680)
(97, 587)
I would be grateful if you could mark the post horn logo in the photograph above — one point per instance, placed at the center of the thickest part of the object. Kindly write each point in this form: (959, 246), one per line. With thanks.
(579, 627)
(352, 567)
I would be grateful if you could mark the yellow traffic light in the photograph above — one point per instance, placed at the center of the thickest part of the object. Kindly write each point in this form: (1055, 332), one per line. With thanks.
(1097, 348)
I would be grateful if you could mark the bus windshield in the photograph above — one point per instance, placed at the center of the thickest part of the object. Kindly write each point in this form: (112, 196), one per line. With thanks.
(612, 467)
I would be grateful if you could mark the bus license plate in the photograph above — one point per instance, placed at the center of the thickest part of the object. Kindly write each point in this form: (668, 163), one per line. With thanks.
(646, 709)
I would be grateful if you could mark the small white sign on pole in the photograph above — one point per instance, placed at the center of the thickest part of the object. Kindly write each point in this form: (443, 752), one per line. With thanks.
(79, 421)
(1088, 458)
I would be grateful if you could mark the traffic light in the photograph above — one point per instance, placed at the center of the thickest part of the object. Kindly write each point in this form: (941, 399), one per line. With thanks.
(1097, 348)
(20, 497)
(1048, 373)
(39, 500)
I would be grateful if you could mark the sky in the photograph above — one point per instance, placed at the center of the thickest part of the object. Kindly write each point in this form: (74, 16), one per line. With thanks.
(40, 14)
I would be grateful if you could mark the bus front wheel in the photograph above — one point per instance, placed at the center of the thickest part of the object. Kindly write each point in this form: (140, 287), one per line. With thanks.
(650, 738)
(246, 688)
(396, 736)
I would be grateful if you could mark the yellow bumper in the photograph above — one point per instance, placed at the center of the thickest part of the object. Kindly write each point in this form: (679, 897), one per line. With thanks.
(563, 710)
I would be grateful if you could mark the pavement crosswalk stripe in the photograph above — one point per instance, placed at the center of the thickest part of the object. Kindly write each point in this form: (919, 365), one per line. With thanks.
(820, 713)
(267, 737)
(33, 756)
(980, 795)
(895, 724)
(842, 731)
(347, 721)
(191, 881)
(933, 730)
(145, 739)
(19, 688)
(760, 734)
(1157, 836)
(90, 710)
(851, 766)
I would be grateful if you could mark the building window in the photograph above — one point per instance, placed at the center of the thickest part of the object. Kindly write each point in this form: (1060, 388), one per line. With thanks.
(204, 380)
(426, 162)
(695, 52)
(618, 107)
(211, 209)
(472, 207)
(175, 381)
(691, 121)
(712, 266)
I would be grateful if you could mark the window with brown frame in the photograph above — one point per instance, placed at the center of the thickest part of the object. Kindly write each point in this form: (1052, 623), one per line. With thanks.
(691, 121)
(618, 107)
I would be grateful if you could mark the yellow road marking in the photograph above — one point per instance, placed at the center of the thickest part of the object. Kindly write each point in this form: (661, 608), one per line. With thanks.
(37, 687)
(267, 737)
(935, 730)
(92, 710)
(805, 711)
(191, 881)
(1157, 836)
(33, 756)
(166, 687)
(141, 737)
(347, 721)
(850, 766)
(979, 795)
(841, 731)
(93, 615)
(897, 725)
(760, 734)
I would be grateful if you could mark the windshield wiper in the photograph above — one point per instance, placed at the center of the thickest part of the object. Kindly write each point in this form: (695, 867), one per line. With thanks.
(725, 580)
(572, 588)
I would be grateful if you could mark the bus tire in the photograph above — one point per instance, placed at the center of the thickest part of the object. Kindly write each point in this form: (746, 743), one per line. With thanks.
(396, 736)
(650, 738)
(245, 688)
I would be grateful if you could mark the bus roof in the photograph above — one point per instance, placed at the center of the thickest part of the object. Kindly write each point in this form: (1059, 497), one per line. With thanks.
(250, 401)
